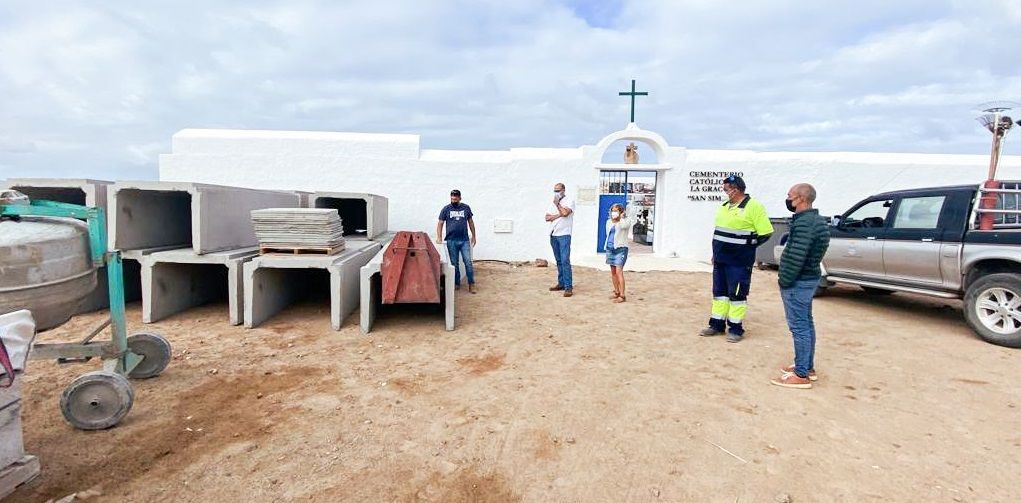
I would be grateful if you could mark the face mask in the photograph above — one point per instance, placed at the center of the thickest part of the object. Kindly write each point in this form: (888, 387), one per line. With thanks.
(790, 206)
(614, 215)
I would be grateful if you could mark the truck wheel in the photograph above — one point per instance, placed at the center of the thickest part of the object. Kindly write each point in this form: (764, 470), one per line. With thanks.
(992, 306)
(876, 291)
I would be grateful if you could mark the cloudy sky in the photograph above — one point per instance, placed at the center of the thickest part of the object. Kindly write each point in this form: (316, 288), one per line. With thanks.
(96, 89)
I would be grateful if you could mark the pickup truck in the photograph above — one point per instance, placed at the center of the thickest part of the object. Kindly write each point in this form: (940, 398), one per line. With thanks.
(928, 242)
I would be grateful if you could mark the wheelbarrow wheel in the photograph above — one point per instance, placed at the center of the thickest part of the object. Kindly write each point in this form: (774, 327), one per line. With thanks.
(156, 353)
(97, 400)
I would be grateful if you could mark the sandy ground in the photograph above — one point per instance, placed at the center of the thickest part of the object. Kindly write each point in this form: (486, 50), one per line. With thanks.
(540, 398)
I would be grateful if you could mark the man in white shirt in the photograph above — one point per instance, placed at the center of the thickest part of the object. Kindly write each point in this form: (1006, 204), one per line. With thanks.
(560, 216)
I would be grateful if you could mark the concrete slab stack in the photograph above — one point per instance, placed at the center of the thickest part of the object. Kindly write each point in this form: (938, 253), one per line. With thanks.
(80, 191)
(298, 229)
(272, 282)
(371, 289)
(364, 215)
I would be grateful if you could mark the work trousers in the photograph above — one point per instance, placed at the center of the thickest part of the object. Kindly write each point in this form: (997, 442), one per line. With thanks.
(730, 297)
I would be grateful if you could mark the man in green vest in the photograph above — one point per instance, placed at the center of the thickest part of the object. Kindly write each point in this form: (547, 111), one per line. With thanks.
(800, 274)
(741, 226)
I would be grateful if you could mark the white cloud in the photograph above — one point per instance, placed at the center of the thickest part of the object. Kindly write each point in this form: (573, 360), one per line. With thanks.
(98, 91)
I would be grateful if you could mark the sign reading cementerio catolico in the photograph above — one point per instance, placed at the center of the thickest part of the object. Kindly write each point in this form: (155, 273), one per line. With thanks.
(708, 185)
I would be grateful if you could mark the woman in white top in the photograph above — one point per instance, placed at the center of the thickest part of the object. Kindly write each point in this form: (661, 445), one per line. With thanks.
(617, 227)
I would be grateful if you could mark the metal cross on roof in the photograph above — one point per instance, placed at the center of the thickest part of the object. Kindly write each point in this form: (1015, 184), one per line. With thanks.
(632, 94)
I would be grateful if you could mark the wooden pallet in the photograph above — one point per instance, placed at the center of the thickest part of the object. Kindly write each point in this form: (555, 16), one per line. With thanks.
(300, 250)
(19, 472)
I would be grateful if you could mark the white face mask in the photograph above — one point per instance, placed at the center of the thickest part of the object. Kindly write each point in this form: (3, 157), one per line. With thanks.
(614, 215)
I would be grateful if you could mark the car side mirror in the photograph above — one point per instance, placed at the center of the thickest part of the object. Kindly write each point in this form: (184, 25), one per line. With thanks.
(837, 221)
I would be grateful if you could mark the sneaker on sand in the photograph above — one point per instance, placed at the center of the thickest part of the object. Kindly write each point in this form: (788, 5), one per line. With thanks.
(791, 380)
(556, 288)
(568, 293)
(734, 337)
(709, 332)
(471, 288)
(790, 370)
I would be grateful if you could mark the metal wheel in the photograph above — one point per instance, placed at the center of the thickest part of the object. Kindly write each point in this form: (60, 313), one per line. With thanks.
(97, 400)
(156, 353)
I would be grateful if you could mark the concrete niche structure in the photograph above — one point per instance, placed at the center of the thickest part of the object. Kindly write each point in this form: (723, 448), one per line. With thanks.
(273, 281)
(176, 280)
(372, 289)
(363, 215)
(206, 218)
(81, 191)
(84, 192)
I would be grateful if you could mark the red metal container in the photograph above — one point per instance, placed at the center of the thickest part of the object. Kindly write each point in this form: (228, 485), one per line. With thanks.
(411, 270)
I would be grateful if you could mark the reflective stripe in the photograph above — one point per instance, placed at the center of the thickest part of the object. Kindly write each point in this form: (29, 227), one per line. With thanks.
(734, 231)
(735, 241)
(721, 298)
(717, 316)
(737, 303)
(736, 321)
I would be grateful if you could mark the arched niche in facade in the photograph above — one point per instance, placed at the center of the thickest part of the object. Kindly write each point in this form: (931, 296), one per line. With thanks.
(632, 132)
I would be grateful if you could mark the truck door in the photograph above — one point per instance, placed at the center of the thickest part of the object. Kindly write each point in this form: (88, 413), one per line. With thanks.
(856, 244)
(914, 241)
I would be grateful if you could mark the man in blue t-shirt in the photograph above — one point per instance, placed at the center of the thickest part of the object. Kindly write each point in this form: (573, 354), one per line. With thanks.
(458, 219)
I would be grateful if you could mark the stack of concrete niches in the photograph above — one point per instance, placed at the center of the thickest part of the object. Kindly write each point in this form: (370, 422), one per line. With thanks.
(186, 244)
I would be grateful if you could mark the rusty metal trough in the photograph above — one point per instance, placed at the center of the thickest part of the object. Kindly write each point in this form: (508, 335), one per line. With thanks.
(411, 270)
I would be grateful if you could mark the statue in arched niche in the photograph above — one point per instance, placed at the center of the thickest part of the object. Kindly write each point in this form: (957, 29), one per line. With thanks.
(631, 153)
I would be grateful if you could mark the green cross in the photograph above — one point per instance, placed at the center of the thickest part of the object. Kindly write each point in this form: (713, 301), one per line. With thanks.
(632, 94)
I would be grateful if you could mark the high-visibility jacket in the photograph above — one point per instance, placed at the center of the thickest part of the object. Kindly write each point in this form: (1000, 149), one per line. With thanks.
(740, 229)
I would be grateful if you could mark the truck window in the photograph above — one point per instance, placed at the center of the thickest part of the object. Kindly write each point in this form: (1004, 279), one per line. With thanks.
(872, 214)
(919, 212)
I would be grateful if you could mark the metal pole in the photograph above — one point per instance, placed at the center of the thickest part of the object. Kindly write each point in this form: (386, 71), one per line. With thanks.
(987, 220)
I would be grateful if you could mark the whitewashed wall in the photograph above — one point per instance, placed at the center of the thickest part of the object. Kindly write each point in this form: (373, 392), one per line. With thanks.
(516, 184)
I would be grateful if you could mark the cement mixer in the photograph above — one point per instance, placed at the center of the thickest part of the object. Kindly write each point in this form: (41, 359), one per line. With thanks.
(48, 262)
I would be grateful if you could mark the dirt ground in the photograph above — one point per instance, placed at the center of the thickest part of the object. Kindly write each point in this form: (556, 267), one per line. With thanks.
(540, 398)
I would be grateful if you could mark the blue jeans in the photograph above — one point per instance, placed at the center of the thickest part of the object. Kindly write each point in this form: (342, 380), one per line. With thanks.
(562, 254)
(458, 250)
(797, 306)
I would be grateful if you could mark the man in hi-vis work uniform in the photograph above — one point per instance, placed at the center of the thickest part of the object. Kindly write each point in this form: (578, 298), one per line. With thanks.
(741, 226)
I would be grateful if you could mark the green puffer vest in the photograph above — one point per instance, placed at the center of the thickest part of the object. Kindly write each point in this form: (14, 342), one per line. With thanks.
(807, 242)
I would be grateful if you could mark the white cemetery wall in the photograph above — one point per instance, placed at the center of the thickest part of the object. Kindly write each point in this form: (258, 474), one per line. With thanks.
(516, 185)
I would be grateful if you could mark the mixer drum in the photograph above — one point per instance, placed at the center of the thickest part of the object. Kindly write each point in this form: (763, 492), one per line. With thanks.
(45, 267)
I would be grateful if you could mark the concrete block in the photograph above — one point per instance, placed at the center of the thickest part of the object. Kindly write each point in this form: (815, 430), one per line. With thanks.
(173, 281)
(83, 192)
(12, 447)
(272, 282)
(207, 218)
(18, 473)
(131, 261)
(79, 191)
(372, 293)
(305, 198)
(363, 215)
